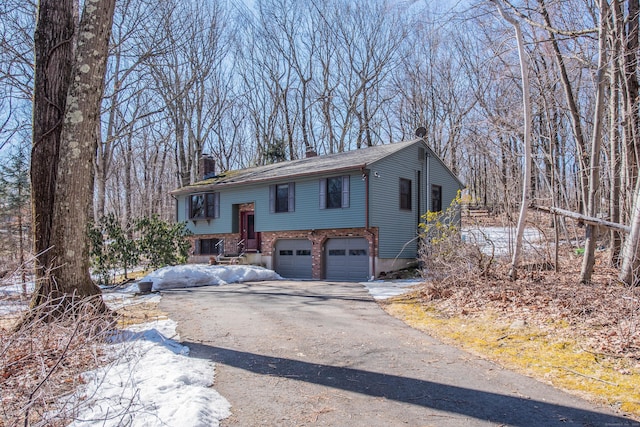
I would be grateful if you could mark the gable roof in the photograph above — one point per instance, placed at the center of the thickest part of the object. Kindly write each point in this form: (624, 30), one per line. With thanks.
(345, 161)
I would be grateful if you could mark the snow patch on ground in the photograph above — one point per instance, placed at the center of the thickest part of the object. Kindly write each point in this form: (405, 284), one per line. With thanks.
(383, 289)
(500, 240)
(192, 275)
(151, 382)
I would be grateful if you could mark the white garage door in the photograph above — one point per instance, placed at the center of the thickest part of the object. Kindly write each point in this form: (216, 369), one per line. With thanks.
(347, 259)
(293, 258)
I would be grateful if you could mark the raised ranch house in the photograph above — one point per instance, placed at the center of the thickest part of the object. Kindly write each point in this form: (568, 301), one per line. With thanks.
(344, 216)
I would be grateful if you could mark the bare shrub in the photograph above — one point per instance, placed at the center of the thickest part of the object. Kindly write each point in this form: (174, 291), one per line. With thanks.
(41, 363)
(444, 256)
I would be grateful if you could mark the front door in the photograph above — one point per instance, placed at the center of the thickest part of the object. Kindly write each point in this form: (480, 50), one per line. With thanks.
(248, 235)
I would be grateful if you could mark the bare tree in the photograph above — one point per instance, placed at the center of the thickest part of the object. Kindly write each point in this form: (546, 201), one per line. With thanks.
(68, 271)
(526, 99)
(588, 260)
(370, 37)
(124, 88)
(17, 22)
(630, 260)
(193, 52)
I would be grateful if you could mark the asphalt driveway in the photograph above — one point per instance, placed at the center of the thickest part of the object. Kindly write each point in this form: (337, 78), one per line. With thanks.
(317, 353)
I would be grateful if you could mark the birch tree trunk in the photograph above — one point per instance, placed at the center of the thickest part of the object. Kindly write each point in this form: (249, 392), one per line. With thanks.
(526, 180)
(69, 280)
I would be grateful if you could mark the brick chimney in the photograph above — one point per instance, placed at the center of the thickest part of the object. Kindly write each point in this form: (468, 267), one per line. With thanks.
(206, 167)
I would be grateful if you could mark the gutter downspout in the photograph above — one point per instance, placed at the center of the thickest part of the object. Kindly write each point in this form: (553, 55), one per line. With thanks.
(365, 177)
(428, 179)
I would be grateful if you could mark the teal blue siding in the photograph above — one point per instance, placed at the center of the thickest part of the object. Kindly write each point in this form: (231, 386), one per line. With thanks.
(307, 214)
(441, 176)
(398, 228)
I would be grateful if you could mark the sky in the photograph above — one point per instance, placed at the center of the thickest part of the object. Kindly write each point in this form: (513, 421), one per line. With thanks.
(152, 380)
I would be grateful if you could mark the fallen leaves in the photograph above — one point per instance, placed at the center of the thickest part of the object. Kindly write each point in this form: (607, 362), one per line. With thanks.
(582, 338)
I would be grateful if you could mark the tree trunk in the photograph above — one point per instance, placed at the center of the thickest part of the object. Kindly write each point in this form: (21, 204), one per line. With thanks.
(526, 180)
(615, 238)
(631, 85)
(584, 218)
(588, 260)
(581, 145)
(69, 281)
(128, 172)
(54, 43)
(630, 262)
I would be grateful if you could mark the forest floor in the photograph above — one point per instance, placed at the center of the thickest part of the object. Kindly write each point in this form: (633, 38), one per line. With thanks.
(583, 338)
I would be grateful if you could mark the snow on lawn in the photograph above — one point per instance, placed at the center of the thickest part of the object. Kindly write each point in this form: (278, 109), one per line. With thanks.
(383, 289)
(191, 275)
(499, 240)
(12, 297)
(151, 382)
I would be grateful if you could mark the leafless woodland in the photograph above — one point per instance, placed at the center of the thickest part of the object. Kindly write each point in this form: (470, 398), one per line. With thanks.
(256, 82)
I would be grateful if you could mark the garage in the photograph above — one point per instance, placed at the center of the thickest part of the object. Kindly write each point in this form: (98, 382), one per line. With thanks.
(347, 259)
(293, 258)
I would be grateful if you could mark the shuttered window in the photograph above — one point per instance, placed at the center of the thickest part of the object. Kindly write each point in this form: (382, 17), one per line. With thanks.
(334, 192)
(282, 197)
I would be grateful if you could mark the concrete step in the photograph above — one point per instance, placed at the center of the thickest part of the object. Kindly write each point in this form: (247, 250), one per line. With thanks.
(227, 260)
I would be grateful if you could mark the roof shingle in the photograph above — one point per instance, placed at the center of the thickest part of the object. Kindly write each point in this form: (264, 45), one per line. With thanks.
(348, 160)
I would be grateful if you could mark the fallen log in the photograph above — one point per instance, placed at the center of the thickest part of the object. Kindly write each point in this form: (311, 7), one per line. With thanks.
(584, 218)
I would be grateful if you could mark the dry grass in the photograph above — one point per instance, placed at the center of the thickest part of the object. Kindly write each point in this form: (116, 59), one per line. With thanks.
(581, 338)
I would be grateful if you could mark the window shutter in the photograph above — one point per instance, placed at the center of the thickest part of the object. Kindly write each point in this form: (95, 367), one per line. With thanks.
(345, 191)
(292, 197)
(323, 193)
(272, 198)
(187, 207)
(198, 248)
(216, 205)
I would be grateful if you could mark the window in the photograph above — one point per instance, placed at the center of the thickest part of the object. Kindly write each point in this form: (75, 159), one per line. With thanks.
(405, 194)
(282, 197)
(334, 192)
(436, 198)
(204, 206)
(210, 246)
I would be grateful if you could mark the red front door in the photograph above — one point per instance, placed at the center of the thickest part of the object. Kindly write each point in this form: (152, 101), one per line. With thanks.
(248, 235)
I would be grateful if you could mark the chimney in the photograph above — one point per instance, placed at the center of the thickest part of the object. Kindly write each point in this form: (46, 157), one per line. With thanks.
(206, 167)
(310, 153)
